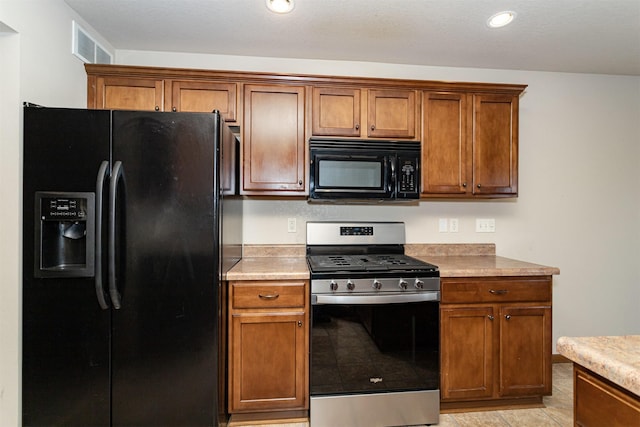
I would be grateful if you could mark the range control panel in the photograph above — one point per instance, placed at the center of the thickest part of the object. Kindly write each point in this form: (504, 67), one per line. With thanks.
(356, 231)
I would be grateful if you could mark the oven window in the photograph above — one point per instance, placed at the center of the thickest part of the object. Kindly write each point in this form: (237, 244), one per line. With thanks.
(374, 348)
(350, 173)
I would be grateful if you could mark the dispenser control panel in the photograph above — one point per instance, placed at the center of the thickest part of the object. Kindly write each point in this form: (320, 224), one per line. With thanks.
(63, 208)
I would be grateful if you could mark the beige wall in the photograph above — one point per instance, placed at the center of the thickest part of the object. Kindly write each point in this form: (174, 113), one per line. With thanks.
(579, 207)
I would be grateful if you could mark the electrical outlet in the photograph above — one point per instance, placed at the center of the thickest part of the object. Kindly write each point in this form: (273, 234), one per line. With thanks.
(442, 225)
(453, 225)
(291, 225)
(485, 225)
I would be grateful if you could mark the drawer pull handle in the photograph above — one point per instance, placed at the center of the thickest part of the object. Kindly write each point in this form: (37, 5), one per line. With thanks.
(508, 316)
(498, 291)
(268, 297)
(490, 317)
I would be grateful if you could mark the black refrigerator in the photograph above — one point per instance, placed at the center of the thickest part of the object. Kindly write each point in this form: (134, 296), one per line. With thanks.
(129, 224)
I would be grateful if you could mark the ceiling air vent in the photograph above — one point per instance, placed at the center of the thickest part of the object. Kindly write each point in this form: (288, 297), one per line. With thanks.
(86, 48)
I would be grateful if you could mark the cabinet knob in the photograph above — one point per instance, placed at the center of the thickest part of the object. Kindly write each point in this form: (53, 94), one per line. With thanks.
(490, 317)
(300, 182)
(479, 186)
(464, 185)
(299, 323)
(357, 127)
(373, 127)
(174, 109)
(157, 108)
(508, 316)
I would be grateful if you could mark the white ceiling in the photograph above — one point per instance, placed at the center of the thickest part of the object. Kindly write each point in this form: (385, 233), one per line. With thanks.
(583, 36)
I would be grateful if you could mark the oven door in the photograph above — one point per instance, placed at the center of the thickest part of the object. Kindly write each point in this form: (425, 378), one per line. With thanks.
(370, 347)
(350, 175)
(374, 362)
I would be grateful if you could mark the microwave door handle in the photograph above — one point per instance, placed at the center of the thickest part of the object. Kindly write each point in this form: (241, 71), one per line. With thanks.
(392, 181)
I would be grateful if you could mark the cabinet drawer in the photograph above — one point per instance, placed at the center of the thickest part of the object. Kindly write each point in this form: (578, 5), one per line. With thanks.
(265, 294)
(507, 289)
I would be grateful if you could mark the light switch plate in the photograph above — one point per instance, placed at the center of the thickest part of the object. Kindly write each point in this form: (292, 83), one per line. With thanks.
(291, 225)
(442, 225)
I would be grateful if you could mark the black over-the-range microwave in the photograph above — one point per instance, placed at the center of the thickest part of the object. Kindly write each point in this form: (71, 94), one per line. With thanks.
(363, 170)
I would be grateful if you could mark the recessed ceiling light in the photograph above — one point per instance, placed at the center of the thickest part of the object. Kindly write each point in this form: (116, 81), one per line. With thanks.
(501, 19)
(280, 6)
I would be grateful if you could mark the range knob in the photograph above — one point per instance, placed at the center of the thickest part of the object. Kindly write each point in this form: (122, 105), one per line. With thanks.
(376, 284)
(333, 285)
(402, 284)
(350, 285)
(419, 284)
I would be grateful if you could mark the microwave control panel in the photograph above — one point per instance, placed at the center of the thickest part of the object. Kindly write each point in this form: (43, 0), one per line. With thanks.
(408, 177)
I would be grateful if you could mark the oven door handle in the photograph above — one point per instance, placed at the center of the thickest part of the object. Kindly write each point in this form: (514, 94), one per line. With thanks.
(374, 299)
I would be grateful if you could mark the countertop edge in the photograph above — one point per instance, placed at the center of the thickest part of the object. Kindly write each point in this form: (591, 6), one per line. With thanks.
(609, 366)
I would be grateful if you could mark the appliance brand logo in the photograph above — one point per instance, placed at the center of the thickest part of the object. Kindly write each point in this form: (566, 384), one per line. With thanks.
(375, 380)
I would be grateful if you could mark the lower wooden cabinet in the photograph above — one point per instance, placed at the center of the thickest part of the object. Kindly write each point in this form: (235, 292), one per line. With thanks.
(599, 402)
(268, 346)
(495, 339)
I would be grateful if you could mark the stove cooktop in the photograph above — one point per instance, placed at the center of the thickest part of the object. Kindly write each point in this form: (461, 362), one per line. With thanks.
(367, 263)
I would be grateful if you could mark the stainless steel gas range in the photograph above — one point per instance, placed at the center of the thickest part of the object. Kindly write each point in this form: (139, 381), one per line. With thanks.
(375, 328)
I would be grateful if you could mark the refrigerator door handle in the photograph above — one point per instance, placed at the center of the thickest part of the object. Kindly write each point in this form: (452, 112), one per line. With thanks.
(102, 174)
(116, 175)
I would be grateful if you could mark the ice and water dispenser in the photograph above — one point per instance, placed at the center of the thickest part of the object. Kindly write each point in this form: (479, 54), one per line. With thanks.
(64, 234)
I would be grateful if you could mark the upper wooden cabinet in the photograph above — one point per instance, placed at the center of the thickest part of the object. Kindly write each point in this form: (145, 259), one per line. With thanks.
(126, 93)
(338, 111)
(392, 114)
(446, 154)
(273, 144)
(162, 94)
(203, 97)
(469, 145)
(468, 131)
(495, 145)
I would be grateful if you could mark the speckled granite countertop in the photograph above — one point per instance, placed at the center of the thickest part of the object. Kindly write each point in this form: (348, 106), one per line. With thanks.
(616, 358)
(275, 262)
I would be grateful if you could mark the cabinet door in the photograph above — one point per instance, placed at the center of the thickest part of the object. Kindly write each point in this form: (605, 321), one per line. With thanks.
(391, 114)
(467, 347)
(273, 140)
(445, 151)
(495, 144)
(336, 112)
(525, 351)
(204, 97)
(267, 360)
(123, 93)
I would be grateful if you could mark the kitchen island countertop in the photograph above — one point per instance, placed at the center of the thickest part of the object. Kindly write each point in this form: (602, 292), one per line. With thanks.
(616, 358)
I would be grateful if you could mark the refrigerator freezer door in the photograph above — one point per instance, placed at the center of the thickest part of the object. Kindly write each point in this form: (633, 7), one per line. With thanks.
(65, 334)
(166, 262)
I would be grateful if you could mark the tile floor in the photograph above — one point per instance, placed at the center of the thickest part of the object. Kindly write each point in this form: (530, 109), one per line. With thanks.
(558, 410)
